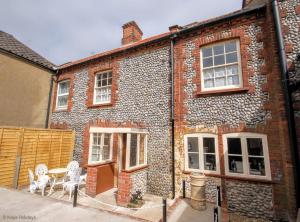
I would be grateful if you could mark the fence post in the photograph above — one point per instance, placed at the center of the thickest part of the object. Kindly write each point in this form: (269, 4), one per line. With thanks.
(75, 195)
(164, 210)
(183, 188)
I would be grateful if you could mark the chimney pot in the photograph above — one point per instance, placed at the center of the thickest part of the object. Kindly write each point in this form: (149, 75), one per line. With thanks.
(131, 33)
(174, 28)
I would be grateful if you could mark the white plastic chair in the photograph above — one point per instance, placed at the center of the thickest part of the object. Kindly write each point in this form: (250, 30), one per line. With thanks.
(74, 178)
(41, 172)
(39, 184)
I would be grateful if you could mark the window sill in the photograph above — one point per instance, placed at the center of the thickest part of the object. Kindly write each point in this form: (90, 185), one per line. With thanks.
(99, 164)
(134, 169)
(60, 110)
(222, 91)
(250, 179)
(94, 106)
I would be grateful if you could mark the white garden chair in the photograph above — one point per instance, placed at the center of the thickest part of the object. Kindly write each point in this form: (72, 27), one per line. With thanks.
(73, 166)
(74, 179)
(39, 184)
(41, 172)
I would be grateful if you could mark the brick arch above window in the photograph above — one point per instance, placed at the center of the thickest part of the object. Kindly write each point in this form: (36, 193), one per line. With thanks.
(237, 34)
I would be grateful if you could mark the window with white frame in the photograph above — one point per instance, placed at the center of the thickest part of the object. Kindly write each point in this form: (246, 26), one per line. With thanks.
(102, 88)
(137, 148)
(201, 153)
(246, 154)
(221, 66)
(62, 94)
(100, 147)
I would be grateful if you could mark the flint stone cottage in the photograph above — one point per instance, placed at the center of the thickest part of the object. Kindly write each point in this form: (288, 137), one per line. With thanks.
(206, 97)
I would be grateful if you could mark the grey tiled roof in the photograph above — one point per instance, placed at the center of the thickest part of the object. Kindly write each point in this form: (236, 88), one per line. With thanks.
(255, 5)
(9, 44)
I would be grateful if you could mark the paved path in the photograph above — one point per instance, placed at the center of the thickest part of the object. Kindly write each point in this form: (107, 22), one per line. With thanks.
(185, 213)
(18, 206)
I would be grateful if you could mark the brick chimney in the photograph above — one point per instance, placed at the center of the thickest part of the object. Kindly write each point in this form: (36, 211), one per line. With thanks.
(131, 33)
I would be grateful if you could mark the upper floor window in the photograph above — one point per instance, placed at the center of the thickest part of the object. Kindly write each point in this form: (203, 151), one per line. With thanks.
(62, 94)
(100, 147)
(102, 88)
(246, 154)
(201, 152)
(221, 66)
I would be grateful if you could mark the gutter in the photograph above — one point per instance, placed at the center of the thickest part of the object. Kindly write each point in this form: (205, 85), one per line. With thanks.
(50, 97)
(172, 112)
(288, 100)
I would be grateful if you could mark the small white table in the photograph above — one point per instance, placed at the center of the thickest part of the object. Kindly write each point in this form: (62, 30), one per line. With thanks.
(55, 172)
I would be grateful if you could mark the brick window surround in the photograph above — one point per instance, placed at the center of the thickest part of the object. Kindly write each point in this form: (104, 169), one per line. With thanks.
(64, 77)
(219, 37)
(91, 84)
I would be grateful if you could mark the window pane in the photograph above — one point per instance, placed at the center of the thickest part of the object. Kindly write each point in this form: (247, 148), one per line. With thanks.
(207, 62)
(219, 60)
(234, 146)
(235, 164)
(220, 82)
(142, 149)
(255, 147)
(106, 152)
(218, 49)
(231, 58)
(63, 87)
(104, 75)
(133, 150)
(208, 74)
(209, 162)
(257, 166)
(96, 153)
(208, 83)
(230, 46)
(220, 72)
(62, 101)
(209, 145)
(104, 82)
(193, 160)
(233, 80)
(193, 144)
(206, 52)
(109, 81)
(232, 70)
(110, 75)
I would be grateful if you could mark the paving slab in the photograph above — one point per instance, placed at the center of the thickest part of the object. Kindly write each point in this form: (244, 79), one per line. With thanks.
(184, 212)
(22, 206)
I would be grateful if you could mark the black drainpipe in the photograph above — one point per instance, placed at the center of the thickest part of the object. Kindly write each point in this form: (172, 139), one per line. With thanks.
(172, 113)
(49, 100)
(288, 99)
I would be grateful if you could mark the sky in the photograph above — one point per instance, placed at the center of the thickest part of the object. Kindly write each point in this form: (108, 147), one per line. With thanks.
(67, 30)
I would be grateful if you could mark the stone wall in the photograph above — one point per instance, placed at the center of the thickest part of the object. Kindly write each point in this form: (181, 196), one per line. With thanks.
(139, 181)
(250, 199)
(142, 96)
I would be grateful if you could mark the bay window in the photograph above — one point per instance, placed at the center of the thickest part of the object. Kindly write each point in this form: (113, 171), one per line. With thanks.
(201, 153)
(100, 147)
(246, 154)
(221, 66)
(136, 152)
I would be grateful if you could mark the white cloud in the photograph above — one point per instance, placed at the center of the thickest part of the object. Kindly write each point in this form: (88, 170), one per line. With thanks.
(64, 30)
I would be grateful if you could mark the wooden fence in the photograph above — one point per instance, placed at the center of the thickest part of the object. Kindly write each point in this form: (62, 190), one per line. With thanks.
(23, 148)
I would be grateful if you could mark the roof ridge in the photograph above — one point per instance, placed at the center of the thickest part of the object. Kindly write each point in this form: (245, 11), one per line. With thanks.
(12, 45)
